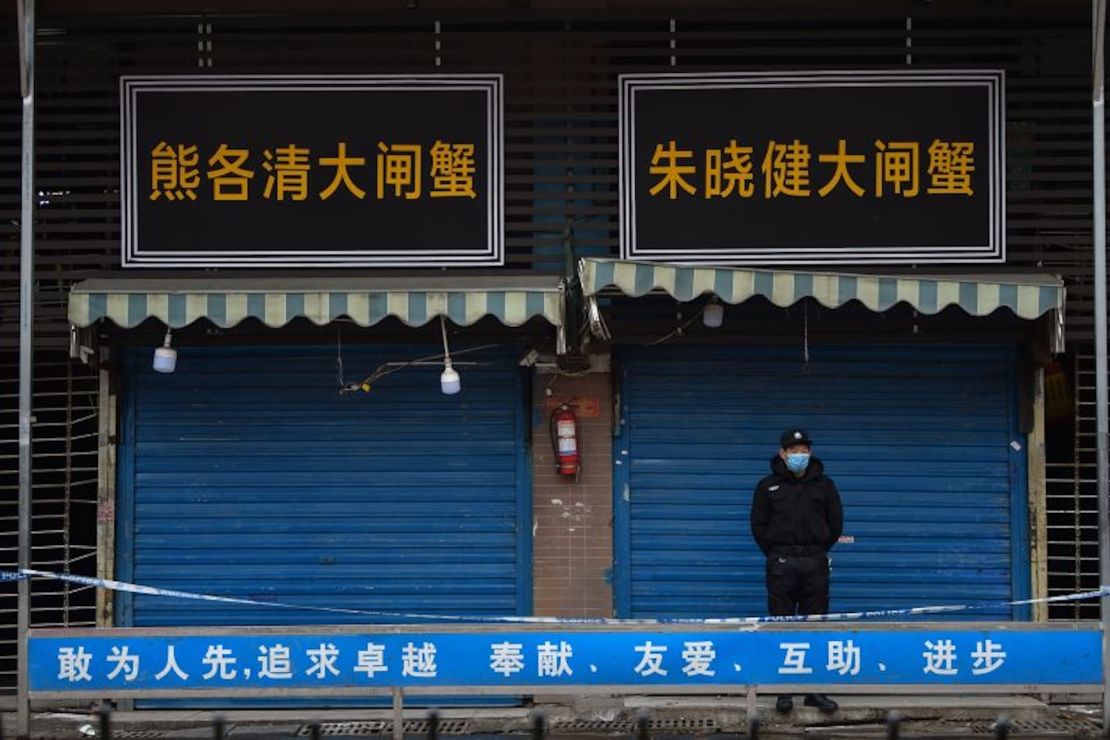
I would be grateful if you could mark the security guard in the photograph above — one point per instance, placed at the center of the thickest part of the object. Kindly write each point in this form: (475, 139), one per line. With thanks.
(796, 519)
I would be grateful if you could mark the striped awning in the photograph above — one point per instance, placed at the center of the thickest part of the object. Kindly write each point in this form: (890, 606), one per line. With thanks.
(275, 302)
(1027, 296)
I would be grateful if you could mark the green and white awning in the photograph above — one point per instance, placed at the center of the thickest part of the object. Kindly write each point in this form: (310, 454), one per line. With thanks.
(1027, 296)
(275, 302)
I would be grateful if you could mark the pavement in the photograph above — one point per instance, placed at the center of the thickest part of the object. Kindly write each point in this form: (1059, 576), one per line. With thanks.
(599, 717)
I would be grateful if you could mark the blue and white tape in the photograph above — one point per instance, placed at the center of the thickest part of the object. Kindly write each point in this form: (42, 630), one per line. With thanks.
(135, 588)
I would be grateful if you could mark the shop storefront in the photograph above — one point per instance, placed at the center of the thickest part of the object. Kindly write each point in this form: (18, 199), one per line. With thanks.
(927, 439)
(900, 174)
(338, 475)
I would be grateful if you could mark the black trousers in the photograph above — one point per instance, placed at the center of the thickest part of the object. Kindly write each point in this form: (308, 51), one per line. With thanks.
(797, 584)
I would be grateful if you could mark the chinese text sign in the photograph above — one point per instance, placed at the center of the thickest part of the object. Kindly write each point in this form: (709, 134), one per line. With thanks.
(312, 171)
(892, 167)
(343, 660)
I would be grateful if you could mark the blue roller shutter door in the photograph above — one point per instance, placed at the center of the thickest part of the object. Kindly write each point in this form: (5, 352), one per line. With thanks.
(921, 441)
(246, 474)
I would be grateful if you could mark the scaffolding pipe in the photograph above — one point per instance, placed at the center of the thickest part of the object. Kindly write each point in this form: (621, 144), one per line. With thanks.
(26, 20)
(1098, 120)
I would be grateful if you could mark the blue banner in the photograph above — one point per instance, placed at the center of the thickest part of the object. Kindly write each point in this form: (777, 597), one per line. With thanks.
(128, 661)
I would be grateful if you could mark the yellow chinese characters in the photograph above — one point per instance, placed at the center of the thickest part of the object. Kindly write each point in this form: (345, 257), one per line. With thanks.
(230, 181)
(288, 170)
(341, 162)
(665, 163)
(176, 175)
(788, 169)
(897, 165)
(399, 168)
(452, 170)
(173, 172)
(950, 166)
(841, 160)
(723, 177)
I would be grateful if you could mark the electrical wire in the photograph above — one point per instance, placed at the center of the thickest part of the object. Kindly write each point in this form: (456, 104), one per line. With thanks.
(388, 368)
(339, 356)
(443, 331)
(676, 332)
(805, 338)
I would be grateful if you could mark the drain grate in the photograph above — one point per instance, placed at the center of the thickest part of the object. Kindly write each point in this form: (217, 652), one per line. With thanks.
(682, 723)
(445, 726)
(384, 727)
(138, 734)
(1063, 727)
(691, 725)
(345, 728)
(591, 725)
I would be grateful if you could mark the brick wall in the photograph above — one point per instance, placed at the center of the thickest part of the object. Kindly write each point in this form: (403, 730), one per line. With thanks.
(573, 534)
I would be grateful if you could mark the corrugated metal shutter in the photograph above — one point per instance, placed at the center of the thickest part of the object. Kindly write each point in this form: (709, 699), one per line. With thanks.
(918, 441)
(246, 474)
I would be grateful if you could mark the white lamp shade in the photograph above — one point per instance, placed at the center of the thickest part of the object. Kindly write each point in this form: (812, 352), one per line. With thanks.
(713, 315)
(165, 359)
(449, 381)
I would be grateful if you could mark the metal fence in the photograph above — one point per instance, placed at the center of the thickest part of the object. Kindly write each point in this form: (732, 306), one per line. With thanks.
(540, 729)
(64, 499)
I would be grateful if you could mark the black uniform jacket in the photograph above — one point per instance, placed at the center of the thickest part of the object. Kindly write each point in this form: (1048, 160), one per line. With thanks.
(791, 513)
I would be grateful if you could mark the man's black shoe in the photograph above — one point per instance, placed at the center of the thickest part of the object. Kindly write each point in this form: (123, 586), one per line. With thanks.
(784, 704)
(822, 702)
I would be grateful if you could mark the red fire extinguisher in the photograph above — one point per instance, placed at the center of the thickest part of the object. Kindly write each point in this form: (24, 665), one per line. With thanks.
(564, 440)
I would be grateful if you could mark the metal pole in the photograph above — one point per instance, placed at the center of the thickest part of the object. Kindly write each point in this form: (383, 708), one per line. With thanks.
(26, 10)
(1098, 112)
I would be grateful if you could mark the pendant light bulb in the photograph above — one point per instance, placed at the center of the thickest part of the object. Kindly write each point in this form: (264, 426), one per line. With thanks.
(165, 357)
(449, 381)
(713, 315)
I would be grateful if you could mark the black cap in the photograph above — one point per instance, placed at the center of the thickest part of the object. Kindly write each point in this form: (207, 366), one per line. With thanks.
(794, 437)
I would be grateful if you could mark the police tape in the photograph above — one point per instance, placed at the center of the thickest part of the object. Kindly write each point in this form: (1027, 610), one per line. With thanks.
(134, 588)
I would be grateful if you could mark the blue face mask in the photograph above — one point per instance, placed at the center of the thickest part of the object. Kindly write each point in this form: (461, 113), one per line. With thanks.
(797, 462)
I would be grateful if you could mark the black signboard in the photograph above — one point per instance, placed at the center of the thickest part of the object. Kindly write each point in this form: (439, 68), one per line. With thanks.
(813, 167)
(303, 171)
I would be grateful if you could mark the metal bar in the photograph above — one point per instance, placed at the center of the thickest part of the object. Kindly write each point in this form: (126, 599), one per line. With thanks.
(1077, 474)
(1098, 109)
(1038, 516)
(24, 77)
(26, 14)
(571, 628)
(574, 690)
(398, 713)
(106, 493)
